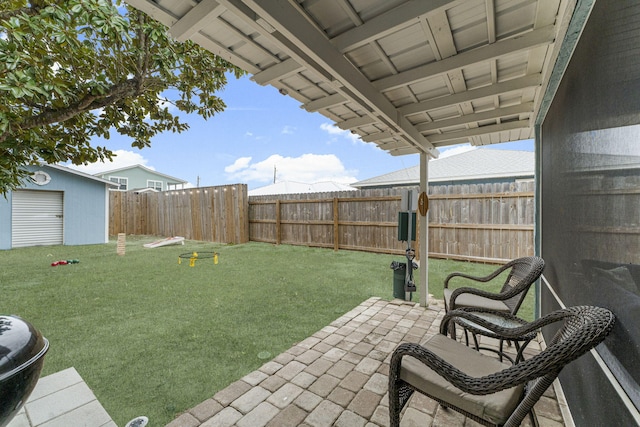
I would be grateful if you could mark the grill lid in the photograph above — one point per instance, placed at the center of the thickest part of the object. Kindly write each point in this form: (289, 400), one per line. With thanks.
(20, 345)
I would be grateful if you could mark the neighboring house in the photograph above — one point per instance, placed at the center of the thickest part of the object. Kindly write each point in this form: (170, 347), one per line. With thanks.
(292, 187)
(138, 177)
(56, 206)
(480, 165)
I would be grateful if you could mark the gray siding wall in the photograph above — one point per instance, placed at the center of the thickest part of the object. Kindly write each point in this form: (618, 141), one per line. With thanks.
(137, 178)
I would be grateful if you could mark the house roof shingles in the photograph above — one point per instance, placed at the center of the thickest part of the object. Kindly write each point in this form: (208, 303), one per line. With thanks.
(475, 164)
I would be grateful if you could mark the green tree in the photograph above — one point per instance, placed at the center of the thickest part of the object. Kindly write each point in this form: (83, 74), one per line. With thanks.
(71, 70)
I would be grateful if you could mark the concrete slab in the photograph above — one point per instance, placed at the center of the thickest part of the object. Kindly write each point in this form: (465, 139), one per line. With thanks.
(62, 399)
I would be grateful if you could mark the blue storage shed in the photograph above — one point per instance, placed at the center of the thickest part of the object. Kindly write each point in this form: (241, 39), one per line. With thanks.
(55, 206)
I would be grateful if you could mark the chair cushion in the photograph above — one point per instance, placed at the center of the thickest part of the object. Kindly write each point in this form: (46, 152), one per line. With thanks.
(496, 407)
(471, 300)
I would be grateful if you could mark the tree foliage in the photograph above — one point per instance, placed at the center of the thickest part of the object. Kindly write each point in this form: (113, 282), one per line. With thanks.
(72, 70)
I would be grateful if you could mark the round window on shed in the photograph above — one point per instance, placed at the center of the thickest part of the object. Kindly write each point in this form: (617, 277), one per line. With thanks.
(41, 178)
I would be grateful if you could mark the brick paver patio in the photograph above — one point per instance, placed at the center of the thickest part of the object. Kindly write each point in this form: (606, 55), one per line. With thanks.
(338, 377)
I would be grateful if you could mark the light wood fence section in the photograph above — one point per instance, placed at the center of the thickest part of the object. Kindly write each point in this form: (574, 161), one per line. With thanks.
(358, 220)
(215, 214)
(482, 222)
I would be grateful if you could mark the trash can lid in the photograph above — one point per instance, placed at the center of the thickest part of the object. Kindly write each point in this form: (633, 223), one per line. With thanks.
(20, 345)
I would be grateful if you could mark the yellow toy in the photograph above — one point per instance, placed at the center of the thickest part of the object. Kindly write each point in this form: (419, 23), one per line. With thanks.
(195, 256)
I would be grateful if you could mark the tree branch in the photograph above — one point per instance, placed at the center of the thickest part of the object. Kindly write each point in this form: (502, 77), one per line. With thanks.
(33, 9)
(128, 88)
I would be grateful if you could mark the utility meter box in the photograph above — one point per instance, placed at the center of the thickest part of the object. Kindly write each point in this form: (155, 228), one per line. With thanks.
(403, 226)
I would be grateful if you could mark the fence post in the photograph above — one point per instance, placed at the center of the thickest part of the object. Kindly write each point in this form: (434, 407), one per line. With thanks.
(336, 228)
(278, 222)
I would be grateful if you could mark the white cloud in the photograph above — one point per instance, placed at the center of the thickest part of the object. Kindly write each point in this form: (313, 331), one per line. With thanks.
(239, 164)
(122, 158)
(335, 132)
(308, 168)
(455, 149)
(288, 130)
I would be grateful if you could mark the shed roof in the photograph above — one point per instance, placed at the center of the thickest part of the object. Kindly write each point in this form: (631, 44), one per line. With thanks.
(79, 173)
(407, 75)
(475, 164)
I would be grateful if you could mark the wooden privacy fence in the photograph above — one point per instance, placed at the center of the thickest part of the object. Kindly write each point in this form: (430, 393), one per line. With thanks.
(484, 222)
(215, 214)
(357, 220)
(480, 222)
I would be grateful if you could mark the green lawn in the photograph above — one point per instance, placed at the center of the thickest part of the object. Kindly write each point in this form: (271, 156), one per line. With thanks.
(152, 337)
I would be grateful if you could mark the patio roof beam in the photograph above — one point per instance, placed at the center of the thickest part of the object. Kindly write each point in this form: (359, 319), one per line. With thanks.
(195, 19)
(326, 102)
(387, 23)
(495, 114)
(391, 145)
(402, 151)
(472, 95)
(483, 130)
(539, 37)
(379, 136)
(316, 51)
(279, 71)
(169, 19)
(355, 122)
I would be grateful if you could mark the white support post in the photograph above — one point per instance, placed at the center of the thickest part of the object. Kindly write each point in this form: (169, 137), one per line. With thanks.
(424, 234)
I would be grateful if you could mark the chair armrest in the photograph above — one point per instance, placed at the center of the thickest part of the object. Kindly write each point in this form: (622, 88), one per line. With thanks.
(477, 278)
(506, 333)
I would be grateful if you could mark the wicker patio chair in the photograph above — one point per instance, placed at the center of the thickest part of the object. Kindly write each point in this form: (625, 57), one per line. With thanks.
(481, 387)
(523, 272)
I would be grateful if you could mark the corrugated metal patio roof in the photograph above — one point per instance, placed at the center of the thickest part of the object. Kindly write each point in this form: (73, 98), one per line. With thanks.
(407, 75)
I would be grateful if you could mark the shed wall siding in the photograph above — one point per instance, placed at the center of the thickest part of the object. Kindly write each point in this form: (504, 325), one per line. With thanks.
(85, 208)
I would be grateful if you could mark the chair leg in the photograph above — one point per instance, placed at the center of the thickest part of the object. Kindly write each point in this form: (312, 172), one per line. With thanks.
(452, 331)
(399, 396)
(394, 406)
(475, 342)
(534, 419)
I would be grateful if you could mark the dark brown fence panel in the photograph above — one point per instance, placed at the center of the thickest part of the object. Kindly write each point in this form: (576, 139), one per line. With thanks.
(216, 214)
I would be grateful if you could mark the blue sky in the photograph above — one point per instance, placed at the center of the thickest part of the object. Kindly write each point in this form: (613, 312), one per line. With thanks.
(259, 130)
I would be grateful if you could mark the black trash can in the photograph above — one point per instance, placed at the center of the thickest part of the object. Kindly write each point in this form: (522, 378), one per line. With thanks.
(399, 273)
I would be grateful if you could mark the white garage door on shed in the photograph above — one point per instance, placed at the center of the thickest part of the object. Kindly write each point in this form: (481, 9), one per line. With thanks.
(36, 218)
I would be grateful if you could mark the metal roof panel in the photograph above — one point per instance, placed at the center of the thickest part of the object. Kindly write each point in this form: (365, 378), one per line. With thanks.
(398, 64)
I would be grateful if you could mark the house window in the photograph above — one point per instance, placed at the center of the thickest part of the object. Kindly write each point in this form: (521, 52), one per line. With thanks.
(156, 185)
(123, 183)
